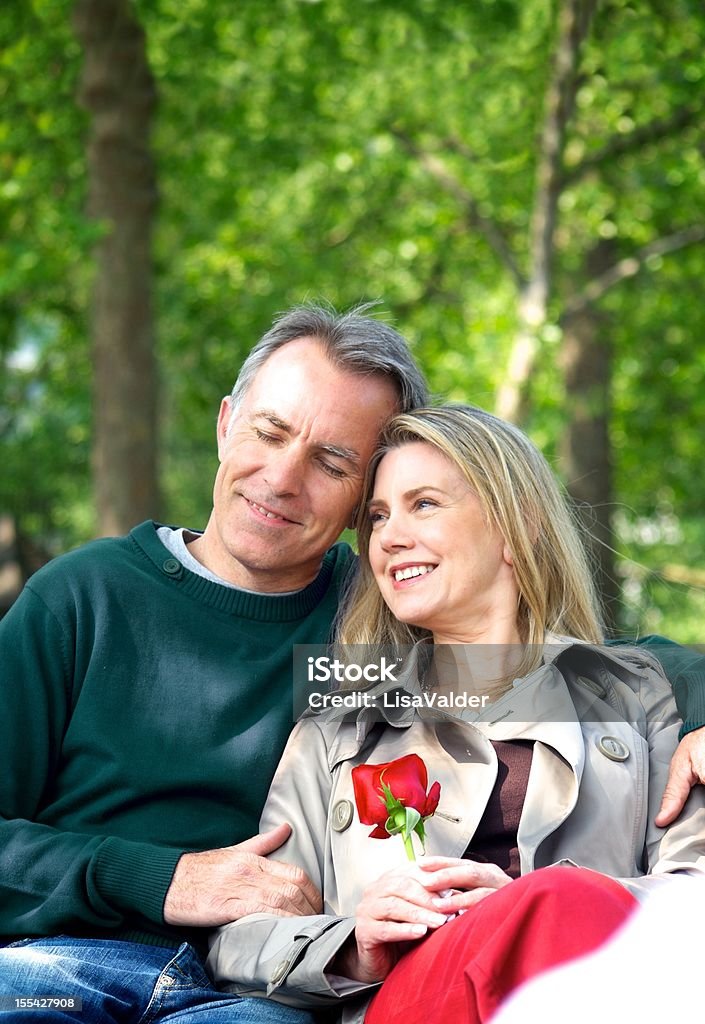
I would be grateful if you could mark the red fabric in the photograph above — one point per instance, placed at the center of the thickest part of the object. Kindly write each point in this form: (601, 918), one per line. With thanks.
(461, 973)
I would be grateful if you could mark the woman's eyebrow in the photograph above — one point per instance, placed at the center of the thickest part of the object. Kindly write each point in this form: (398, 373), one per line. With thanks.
(423, 489)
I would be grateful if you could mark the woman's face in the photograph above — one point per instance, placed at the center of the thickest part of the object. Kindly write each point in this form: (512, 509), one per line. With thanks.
(437, 562)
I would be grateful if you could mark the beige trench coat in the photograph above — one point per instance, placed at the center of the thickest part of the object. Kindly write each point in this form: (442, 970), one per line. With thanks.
(605, 727)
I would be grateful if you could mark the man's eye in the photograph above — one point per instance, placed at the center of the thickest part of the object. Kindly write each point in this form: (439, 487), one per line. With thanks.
(262, 435)
(331, 470)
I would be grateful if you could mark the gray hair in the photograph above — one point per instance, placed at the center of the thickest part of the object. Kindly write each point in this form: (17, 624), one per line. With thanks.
(351, 340)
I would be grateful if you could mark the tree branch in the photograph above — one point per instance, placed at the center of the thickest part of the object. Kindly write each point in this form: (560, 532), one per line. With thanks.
(575, 17)
(488, 228)
(644, 135)
(631, 265)
(682, 574)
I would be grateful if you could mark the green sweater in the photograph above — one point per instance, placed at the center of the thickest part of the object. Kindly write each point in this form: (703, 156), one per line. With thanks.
(143, 712)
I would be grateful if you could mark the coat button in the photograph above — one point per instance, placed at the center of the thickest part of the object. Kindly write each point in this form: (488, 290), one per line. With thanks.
(613, 748)
(342, 815)
(172, 567)
(280, 972)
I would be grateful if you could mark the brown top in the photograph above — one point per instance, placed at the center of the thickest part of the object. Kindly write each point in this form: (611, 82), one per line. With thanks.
(495, 839)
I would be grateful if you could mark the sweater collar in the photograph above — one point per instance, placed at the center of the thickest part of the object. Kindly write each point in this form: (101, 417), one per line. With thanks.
(230, 600)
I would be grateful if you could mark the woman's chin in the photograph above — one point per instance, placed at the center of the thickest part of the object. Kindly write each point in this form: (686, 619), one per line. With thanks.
(411, 618)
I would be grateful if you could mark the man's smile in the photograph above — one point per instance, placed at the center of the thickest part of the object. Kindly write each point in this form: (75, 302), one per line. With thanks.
(269, 514)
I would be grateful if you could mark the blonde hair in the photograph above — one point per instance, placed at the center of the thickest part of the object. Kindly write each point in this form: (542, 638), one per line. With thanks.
(521, 499)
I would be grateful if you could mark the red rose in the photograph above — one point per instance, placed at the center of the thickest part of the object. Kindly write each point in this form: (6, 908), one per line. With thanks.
(393, 798)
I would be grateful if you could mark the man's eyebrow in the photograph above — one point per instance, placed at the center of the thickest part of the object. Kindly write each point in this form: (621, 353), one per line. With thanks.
(273, 418)
(349, 454)
(337, 451)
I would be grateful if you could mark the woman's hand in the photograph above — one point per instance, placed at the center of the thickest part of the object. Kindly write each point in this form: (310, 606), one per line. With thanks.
(460, 884)
(404, 904)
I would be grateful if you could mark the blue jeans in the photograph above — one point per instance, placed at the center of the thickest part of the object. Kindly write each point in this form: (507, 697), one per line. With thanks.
(123, 983)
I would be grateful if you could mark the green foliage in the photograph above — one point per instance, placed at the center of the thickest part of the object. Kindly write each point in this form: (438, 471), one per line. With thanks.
(288, 142)
(44, 245)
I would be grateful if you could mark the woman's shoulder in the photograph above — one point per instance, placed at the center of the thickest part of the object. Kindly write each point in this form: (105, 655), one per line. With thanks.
(627, 677)
(622, 658)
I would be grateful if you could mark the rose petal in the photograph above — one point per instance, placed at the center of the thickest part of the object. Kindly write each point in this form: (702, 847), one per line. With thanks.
(434, 795)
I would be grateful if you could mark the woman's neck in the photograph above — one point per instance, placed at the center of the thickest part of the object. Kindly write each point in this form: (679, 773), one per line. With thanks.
(485, 666)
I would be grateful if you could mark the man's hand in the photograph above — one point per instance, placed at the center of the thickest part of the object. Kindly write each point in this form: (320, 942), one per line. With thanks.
(219, 886)
(687, 768)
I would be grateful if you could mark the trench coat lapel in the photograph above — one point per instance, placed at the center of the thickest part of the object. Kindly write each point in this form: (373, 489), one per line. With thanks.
(541, 709)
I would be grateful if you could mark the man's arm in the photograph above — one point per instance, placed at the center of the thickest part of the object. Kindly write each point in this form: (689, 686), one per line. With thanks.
(55, 879)
(685, 669)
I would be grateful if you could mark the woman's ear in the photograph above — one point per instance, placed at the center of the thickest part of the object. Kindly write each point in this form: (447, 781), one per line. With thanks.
(507, 555)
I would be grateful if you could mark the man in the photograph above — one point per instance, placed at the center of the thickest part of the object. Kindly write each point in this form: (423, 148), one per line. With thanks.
(147, 695)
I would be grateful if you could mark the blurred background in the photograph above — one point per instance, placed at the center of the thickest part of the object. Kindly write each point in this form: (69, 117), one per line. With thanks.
(520, 182)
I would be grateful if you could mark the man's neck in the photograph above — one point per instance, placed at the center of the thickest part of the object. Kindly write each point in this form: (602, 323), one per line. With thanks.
(197, 550)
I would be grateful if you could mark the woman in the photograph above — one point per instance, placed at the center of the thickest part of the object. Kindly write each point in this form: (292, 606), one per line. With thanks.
(468, 553)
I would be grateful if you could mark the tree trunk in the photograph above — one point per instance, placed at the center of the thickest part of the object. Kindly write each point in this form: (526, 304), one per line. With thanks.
(574, 19)
(118, 91)
(586, 362)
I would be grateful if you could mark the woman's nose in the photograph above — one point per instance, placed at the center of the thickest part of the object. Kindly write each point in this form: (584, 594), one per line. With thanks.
(394, 534)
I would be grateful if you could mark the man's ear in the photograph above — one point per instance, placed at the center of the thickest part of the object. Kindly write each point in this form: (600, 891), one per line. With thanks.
(224, 415)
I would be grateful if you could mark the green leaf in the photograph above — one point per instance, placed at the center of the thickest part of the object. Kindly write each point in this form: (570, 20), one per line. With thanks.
(411, 820)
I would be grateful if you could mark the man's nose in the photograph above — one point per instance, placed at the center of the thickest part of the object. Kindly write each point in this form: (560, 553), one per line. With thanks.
(284, 471)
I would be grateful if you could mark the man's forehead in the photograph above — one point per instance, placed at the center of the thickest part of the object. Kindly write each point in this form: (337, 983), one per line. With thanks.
(303, 369)
(305, 349)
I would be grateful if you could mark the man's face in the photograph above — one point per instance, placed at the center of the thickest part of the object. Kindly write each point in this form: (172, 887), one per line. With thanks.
(292, 460)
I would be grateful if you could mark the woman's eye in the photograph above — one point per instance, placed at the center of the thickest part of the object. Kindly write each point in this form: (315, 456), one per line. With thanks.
(424, 503)
(376, 518)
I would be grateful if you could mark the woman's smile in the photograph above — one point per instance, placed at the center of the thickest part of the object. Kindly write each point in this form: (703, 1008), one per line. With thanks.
(402, 574)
